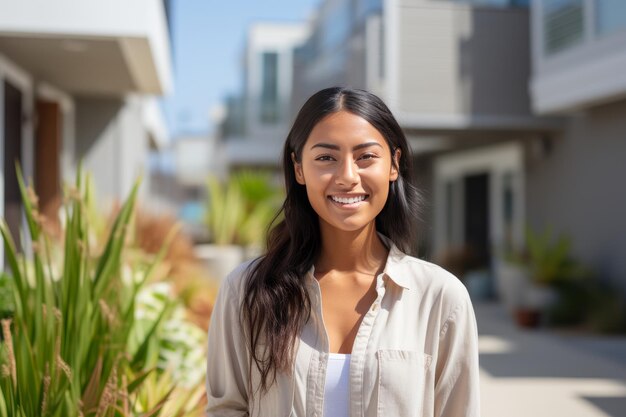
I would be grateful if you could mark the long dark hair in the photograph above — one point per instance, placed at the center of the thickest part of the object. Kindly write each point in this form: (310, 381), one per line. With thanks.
(276, 303)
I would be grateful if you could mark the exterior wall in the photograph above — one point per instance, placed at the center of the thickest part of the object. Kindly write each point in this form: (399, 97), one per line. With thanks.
(576, 187)
(589, 70)
(451, 59)
(112, 143)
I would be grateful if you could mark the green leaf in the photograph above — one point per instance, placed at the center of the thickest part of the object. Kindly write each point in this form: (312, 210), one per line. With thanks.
(110, 260)
(140, 357)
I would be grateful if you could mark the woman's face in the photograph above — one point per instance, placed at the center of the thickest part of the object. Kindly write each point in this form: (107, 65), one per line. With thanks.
(346, 168)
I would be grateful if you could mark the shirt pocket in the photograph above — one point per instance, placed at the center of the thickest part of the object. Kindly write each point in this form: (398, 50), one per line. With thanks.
(401, 376)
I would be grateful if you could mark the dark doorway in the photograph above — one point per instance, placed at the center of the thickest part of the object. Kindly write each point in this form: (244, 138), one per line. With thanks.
(476, 190)
(12, 154)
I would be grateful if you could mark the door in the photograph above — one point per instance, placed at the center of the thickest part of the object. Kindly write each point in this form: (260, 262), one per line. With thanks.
(479, 201)
(476, 219)
(47, 164)
(12, 154)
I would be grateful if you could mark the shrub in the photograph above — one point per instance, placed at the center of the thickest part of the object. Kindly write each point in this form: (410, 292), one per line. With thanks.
(74, 345)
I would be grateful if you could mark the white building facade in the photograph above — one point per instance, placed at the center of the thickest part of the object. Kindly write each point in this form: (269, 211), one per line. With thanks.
(262, 112)
(77, 83)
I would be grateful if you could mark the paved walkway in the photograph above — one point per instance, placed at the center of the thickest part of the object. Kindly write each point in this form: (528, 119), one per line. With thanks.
(537, 373)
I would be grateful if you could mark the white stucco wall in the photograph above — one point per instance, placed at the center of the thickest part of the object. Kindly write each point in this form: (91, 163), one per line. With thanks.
(112, 143)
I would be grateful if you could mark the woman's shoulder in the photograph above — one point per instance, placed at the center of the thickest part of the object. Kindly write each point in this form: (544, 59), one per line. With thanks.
(237, 277)
(431, 279)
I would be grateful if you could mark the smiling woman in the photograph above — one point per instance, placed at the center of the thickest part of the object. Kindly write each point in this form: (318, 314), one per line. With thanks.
(336, 319)
(346, 167)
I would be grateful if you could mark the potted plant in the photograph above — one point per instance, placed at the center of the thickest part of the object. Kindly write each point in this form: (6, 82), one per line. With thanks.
(238, 213)
(544, 264)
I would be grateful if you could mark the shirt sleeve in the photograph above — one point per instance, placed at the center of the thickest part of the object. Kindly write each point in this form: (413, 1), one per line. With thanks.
(227, 358)
(457, 385)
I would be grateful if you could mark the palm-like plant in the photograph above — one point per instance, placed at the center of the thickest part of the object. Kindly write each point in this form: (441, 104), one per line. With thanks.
(240, 210)
(66, 347)
(548, 260)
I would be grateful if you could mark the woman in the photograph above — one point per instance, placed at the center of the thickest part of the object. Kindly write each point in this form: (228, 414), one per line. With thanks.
(335, 320)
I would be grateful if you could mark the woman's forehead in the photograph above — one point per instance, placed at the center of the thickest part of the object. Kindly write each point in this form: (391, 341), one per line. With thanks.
(344, 130)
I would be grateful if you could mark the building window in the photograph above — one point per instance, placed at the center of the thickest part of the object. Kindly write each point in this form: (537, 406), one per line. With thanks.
(270, 109)
(563, 24)
(610, 16)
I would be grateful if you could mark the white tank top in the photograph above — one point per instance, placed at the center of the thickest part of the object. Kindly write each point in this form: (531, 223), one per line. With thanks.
(337, 388)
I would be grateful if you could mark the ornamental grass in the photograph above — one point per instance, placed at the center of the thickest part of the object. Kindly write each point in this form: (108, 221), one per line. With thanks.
(79, 339)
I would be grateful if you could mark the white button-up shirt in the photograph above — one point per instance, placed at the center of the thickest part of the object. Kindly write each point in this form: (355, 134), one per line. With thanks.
(415, 353)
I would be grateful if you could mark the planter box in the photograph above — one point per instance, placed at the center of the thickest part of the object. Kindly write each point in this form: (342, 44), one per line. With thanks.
(219, 260)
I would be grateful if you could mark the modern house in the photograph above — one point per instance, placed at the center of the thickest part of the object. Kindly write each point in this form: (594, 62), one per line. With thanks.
(257, 120)
(579, 74)
(77, 83)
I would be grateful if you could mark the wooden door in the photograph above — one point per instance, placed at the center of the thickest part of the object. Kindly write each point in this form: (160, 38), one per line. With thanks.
(47, 167)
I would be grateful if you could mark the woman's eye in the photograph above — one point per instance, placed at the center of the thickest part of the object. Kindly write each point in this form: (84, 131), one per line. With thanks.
(324, 158)
(367, 156)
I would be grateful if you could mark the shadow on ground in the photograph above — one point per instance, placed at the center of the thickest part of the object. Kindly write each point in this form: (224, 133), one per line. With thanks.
(546, 353)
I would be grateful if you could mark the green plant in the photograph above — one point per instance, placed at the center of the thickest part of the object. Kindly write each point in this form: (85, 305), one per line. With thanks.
(548, 260)
(240, 209)
(590, 304)
(607, 310)
(179, 354)
(67, 349)
(572, 304)
(6, 298)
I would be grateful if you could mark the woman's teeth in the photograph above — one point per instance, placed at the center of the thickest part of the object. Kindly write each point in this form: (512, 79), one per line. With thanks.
(350, 200)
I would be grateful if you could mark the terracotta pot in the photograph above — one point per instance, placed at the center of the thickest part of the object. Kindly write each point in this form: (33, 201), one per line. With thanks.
(528, 318)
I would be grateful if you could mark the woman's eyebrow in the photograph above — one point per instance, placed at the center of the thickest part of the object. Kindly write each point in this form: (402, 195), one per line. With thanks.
(336, 147)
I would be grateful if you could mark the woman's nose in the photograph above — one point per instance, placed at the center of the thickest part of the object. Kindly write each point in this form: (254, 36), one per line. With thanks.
(347, 174)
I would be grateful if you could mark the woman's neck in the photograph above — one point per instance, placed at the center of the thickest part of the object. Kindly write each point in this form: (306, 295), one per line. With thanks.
(358, 251)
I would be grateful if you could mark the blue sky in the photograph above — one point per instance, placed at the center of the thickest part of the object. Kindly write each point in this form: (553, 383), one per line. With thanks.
(208, 38)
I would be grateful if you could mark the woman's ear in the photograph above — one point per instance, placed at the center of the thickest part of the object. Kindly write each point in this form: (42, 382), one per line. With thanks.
(395, 164)
(297, 167)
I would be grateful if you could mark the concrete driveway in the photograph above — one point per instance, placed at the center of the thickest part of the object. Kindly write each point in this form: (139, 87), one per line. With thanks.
(537, 373)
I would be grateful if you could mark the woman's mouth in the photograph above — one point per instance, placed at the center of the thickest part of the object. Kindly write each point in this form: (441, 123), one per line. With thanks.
(348, 201)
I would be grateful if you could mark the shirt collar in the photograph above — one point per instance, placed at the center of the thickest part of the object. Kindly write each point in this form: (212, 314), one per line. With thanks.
(393, 267)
